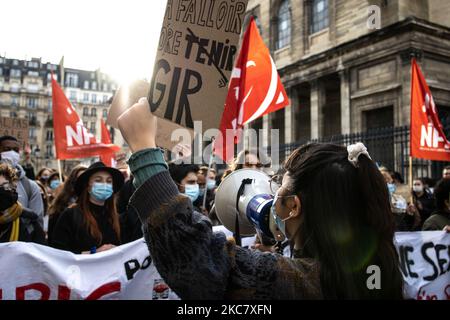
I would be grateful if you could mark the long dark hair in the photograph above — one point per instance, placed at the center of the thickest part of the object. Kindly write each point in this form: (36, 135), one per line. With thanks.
(63, 195)
(346, 221)
(89, 220)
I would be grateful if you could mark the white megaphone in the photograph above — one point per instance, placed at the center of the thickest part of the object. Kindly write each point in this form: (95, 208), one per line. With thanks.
(243, 203)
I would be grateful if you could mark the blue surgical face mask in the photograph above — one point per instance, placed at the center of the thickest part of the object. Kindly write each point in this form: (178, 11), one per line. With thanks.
(201, 192)
(101, 191)
(391, 188)
(192, 191)
(54, 184)
(210, 184)
(281, 223)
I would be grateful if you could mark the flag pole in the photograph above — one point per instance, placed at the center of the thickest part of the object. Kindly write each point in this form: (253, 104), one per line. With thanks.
(209, 170)
(60, 171)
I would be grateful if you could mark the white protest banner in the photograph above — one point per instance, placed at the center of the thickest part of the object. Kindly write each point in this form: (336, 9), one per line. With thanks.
(425, 264)
(195, 57)
(33, 272)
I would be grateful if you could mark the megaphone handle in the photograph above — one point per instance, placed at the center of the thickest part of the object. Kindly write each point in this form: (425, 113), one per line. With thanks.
(237, 233)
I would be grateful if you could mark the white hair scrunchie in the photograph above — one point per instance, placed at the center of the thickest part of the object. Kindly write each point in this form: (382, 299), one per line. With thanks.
(354, 151)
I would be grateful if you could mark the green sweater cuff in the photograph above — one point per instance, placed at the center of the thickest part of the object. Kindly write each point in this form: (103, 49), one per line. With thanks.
(146, 163)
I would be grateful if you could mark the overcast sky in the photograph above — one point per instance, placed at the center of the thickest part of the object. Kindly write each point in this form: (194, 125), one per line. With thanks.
(117, 36)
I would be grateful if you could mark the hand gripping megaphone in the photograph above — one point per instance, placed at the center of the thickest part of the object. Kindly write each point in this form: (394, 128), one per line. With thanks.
(243, 204)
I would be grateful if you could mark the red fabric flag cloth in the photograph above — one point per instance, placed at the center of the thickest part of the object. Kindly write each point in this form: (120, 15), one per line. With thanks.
(72, 139)
(108, 158)
(255, 89)
(428, 140)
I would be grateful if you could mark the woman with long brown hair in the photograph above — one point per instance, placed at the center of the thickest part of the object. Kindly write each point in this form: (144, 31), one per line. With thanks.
(64, 198)
(92, 223)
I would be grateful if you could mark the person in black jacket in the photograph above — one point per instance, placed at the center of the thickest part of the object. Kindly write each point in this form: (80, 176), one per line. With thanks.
(64, 198)
(92, 223)
(16, 222)
(130, 225)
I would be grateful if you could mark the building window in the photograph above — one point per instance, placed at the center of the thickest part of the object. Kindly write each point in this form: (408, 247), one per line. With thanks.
(73, 95)
(94, 85)
(284, 25)
(49, 105)
(319, 15)
(32, 103)
(93, 127)
(93, 112)
(33, 73)
(105, 87)
(85, 111)
(105, 99)
(13, 114)
(14, 101)
(85, 124)
(15, 73)
(86, 97)
(94, 98)
(72, 80)
(15, 62)
(49, 152)
(31, 133)
(86, 85)
(49, 77)
(49, 135)
(105, 113)
(33, 64)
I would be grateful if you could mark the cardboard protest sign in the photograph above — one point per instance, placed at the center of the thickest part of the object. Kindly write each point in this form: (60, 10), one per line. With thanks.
(126, 97)
(195, 57)
(15, 127)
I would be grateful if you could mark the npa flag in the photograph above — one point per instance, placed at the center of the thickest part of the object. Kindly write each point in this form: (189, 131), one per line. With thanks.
(107, 159)
(428, 140)
(72, 139)
(255, 90)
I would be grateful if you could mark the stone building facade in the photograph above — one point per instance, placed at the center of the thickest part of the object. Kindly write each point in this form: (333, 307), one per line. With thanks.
(345, 64)
(25, 92)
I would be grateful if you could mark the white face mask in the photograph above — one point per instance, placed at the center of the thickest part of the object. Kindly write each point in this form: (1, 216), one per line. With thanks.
(12, 156)
(417, 188)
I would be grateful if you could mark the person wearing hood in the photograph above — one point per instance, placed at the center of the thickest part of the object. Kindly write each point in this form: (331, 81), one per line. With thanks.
(92, 224)
(28, 191)
(185, 177)
(16, 222)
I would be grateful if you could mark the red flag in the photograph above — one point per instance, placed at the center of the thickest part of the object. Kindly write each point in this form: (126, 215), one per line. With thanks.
(428, 140)
(255, 90)
(72, 139)
(108, 158)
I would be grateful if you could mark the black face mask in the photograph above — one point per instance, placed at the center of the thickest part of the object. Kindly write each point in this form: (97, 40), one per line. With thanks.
(7, 198)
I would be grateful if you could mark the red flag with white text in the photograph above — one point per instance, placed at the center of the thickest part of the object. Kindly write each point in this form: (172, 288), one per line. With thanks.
(428, 140)
(255, 89)
(72, 139)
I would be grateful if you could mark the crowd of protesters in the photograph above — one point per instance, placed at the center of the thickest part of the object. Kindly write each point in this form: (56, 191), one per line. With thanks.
(89, 210)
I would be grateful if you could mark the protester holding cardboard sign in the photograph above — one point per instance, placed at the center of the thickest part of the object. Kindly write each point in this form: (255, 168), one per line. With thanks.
(342, 227)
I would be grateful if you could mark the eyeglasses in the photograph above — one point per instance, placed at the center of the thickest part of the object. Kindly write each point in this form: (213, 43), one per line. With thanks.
(275, 183)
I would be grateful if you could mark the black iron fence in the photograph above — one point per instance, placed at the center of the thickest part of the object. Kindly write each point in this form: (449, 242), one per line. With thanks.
(388, 147)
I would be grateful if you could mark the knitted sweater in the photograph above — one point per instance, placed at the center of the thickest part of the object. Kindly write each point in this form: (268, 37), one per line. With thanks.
(200, 264)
